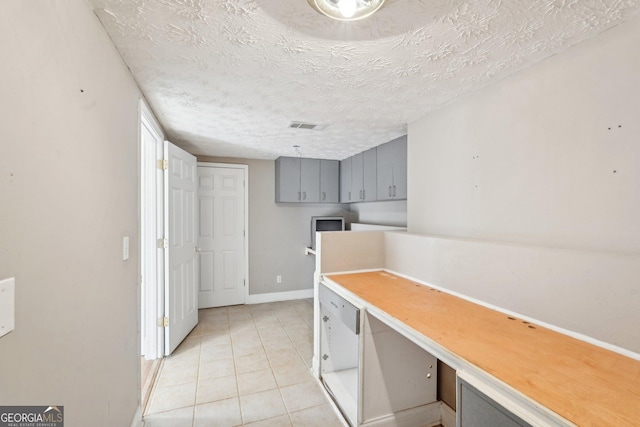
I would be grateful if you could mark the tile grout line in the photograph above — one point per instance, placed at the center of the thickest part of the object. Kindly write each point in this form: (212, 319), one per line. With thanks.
(271, 368)
(195, 397)
(235, 369)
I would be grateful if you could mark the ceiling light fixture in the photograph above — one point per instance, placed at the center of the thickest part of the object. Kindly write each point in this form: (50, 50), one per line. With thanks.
(346, 10)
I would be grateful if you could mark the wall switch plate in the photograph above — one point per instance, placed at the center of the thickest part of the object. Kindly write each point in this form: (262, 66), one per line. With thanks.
(7, 306)
(278, 279)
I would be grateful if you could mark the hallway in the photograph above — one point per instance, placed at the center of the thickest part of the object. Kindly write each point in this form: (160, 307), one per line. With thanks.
(243, 365)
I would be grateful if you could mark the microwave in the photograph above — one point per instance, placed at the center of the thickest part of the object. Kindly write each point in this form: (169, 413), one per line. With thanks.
(325, 223)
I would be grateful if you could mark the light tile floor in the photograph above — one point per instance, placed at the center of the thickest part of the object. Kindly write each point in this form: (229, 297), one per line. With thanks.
(243, 366)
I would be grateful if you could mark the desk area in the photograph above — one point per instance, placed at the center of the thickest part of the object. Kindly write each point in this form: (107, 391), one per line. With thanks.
(583, 383)
(541, 373)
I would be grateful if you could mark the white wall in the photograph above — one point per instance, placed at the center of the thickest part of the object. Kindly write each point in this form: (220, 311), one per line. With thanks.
(531, 159)
(68, 192)
(278, 233)
(545, 158)
(591, 293)
(393, 212)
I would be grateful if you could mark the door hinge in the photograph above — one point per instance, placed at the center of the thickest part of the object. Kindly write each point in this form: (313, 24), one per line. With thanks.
(163, 243)
(163, 322)
(163, 164)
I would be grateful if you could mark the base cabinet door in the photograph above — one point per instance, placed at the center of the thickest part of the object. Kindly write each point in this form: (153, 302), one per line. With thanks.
(475, 409)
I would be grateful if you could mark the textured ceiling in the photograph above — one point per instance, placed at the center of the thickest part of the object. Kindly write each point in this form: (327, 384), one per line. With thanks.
(226, 77)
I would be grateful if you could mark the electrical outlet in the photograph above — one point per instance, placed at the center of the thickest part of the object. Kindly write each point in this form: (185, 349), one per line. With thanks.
(278, 279)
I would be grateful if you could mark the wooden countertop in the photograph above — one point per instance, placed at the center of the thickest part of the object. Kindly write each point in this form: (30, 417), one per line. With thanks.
(585, 384)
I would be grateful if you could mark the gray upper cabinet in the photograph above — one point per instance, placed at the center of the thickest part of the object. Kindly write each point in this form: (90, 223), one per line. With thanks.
(309, 180)
(363, 176)
(300, 180)
(288, 180)
(392, 170)
(369, 174)
(345, 181)
(329, 181)
(357, 177)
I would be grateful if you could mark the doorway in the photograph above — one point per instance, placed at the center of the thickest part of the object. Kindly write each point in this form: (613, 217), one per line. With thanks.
(172, 247)
(151, 255)
(222, 234)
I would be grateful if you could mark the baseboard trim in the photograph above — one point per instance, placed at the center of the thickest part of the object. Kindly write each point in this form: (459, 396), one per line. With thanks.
(425, 415)
(448, 416)
(279, 296)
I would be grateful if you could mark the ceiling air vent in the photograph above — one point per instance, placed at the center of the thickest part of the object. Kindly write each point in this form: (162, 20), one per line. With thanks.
(300, 125)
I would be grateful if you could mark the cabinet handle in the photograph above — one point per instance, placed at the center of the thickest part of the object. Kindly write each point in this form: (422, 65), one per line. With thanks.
(324, 196)
(363, 194)
(298, 195)
(349, 195)
(304, 195)
(394, 191)
(389, 191)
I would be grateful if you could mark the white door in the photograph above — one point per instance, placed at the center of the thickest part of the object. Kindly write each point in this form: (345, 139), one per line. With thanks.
(221, 240)
(181, 288)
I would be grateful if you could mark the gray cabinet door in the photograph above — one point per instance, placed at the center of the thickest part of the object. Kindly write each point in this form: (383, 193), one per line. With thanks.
(310, 181)
(288, 180)
(392, 170)
(475, 409)
(357, 177)
(400, 168)
(385, 172)
(369, 174)
(345, 181)
(329, 181)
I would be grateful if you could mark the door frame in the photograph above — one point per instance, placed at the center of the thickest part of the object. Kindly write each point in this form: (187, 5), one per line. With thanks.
(151, 265)
(245, 169)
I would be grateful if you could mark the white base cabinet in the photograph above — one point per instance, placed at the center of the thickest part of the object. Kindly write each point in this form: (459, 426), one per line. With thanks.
(376, 376)
(340, 351)
(398, 379)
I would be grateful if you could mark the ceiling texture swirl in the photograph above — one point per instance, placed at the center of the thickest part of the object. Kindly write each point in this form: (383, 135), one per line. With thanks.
(227, 77)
